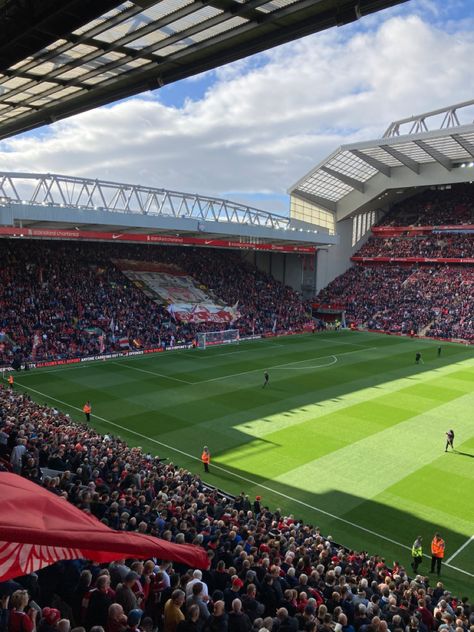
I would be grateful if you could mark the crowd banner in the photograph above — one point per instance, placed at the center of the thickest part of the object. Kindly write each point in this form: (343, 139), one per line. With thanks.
(53, 529)
(395, 231)
(468, 260)
(186, 300)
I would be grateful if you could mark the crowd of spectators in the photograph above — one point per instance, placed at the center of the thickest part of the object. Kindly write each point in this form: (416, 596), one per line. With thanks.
(449, 246)
(434, 207)
(436, 301)
(63, 299)
(268, 572)
(430, 300)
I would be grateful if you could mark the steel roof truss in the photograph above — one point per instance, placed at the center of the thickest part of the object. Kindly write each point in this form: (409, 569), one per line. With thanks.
(465, 144)
(373, 162)
(437, 156)
(351, 182)
(413, 165)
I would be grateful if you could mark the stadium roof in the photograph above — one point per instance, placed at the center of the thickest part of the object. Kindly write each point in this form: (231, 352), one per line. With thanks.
(61, 57)
(50, 202)
(354, 175)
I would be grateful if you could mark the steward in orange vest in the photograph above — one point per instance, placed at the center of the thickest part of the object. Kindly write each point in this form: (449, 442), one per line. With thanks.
(206, 458)
(87, 408)
(10, 380)
(437, 553)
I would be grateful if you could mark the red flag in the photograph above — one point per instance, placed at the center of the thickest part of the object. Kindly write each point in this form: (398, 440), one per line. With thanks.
(38, 528)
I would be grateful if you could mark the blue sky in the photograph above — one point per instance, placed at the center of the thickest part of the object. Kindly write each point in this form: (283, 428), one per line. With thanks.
(249, 130)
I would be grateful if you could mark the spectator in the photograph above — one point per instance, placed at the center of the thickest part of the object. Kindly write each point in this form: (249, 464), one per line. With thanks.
(19, 620)
(238, 620)
(173, 614)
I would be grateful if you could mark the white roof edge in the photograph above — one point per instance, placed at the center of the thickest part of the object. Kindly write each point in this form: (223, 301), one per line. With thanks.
(393, 140)
(397, 140)
(311, 171)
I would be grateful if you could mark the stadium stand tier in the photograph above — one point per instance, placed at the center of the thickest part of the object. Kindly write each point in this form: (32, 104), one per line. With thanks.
(449, 206)
(410, 282)
(267, 571)
(64, 300)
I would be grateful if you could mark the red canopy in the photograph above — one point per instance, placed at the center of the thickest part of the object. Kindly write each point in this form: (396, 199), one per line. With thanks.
(38, 528)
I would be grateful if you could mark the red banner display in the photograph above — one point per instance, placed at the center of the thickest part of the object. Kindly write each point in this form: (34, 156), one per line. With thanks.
(171, 240)
(412, 260)
(394, 231)
(52, 529)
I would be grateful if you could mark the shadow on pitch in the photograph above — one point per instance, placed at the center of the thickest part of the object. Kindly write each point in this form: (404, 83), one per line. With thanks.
(356, 522)
(463, 453)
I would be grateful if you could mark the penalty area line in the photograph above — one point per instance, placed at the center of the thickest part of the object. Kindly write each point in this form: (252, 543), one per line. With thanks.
(468, 541)
(285, 365)
(240, 476)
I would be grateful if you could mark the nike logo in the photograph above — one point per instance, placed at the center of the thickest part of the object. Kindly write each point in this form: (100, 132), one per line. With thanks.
(115, 236)
(208, 242)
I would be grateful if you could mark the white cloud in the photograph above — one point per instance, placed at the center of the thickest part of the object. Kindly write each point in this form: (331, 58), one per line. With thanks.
(260, 126)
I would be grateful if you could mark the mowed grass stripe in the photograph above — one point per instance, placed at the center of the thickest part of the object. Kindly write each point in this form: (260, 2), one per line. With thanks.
(396, 446)
(152, 406)
(261, 412)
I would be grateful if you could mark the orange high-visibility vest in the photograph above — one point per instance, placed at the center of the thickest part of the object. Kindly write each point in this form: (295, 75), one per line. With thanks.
(87, 408)
(437, 547)
(205, 457)
(10, 379)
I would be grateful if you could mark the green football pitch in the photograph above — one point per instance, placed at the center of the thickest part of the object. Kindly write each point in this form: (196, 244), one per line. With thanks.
(349, 434)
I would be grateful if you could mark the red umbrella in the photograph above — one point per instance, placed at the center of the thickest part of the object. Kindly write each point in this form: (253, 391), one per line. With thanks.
(38, 528)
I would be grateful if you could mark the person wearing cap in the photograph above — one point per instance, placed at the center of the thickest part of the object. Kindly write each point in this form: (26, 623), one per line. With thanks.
(49, 620)
(206, 458)
(233, 592)
(257, 508)
(417, 553)
(133, 619)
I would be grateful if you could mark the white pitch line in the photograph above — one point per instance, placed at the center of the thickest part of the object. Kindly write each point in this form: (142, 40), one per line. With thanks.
(135, 368)
(286, 364)
(340, 342)
(313, 366)
(456, 568)
(460, 549)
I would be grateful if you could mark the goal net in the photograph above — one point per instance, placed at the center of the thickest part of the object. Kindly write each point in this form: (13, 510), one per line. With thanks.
(210, 338)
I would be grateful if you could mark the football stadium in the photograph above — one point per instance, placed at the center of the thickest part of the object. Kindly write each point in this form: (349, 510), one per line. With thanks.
(216, 417)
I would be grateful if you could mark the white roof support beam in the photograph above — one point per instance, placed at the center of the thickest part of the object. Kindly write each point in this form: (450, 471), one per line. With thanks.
(372, 162)
(405, 160)
(465, 144)
(440, 158)
(351, 182)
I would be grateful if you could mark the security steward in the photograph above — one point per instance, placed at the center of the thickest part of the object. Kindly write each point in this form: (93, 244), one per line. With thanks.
(437, 553)
(417, 553)
(206, 458)
(87, 408)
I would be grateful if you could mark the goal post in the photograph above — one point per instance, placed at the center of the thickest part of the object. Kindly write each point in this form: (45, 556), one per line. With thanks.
(211, 338)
